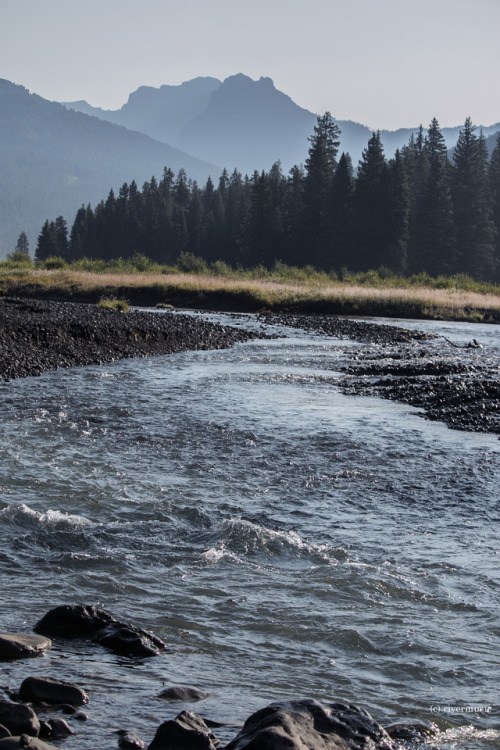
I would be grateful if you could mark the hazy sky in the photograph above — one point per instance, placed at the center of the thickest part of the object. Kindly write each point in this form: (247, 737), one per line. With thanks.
(384, 63)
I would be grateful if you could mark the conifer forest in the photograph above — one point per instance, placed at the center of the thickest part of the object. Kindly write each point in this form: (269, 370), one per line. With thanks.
(419, 211)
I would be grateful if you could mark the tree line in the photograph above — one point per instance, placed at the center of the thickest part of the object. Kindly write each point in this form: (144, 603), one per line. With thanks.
(416, 212)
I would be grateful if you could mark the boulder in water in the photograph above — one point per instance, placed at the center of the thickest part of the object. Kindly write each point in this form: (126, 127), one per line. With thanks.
(299, 724)
(20, 645)
(129, 740)
(128, 640)
(25, 742)
(84, 621)
(186, 732)
(73, 621)
(48, 690)
(19, 719)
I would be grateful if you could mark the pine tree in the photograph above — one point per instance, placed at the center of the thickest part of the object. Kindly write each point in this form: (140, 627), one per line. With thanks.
(47, 242)
(494, 188)
(182, 197)
(472, 205)
(61, 231)
(261, 234)
(342, 198)
(195, 223)
(370, 208)
(432, 226)
(22, 245)
(293, 210)
(416, 163)
(320, 166)
(398, 214)
(236, 210)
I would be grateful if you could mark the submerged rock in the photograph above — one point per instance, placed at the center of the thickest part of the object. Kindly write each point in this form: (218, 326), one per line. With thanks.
(48, 690)
(20, 645)
(300, 724)
(181, 693)
(186, 732)
(84, 621)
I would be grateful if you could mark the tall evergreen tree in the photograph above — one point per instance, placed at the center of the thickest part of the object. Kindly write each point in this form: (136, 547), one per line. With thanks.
(370, 208)
(22, 245)
(433, 227)
(398, 214)
(261, 231)
(416, 163)
(320, 166)
(293, 210)
(494, 189)
(61, 231)
(472, 205)
(47, 242)
(341, 217)
(236, 210)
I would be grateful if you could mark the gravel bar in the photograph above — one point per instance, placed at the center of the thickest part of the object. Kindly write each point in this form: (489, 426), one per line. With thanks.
(39, 335)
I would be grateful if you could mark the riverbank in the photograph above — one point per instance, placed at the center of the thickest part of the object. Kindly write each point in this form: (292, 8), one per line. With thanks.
(454, 384)
(212, 292)
(40, 335)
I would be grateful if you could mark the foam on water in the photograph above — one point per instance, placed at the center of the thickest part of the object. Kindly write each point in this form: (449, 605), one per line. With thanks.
(23, 516)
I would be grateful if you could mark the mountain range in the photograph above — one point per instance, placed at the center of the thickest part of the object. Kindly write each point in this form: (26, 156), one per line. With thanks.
(53, 160)
(54, 157)
(241, 123)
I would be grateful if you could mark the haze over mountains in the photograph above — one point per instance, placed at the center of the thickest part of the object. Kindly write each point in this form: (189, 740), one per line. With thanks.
(54, 157)
(241, 123)
(52, 160)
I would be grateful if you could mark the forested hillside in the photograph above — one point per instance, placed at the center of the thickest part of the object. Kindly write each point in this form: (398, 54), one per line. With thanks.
(53, 159)
(414, 212)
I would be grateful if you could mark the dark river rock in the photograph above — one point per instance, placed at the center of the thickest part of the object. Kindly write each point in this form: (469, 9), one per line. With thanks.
(20, 645)
(49, 690)
(294, 725)
(19, 719)
(84, 621)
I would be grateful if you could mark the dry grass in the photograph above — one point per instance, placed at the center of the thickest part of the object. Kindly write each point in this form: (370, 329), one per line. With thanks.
(211, 291)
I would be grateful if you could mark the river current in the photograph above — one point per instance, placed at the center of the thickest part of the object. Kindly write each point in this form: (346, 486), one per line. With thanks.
(284, 539)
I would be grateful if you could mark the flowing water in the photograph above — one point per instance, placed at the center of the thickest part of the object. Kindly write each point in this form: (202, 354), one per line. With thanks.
(284, 539)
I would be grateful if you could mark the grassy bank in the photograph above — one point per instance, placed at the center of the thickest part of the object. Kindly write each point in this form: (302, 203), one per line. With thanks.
(365, 294)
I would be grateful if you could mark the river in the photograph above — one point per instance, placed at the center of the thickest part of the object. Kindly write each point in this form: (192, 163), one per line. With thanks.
(284, 539)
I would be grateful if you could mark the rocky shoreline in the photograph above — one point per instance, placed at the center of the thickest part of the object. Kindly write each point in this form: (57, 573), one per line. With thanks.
(37, 336)
(29, 716)
(457, 385)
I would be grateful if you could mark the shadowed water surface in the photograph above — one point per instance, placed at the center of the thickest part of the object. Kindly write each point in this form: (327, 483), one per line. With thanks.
(283, 538)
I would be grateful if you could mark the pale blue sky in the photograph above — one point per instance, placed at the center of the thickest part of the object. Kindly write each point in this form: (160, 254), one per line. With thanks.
(384, 63)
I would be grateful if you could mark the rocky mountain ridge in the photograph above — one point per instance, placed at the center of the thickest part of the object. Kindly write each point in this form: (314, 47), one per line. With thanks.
(242, 123)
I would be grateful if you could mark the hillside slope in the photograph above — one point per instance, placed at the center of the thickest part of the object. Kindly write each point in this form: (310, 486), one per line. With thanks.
(53, 159)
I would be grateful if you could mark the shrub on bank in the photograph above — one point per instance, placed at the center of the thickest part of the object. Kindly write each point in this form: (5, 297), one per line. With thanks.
(52, 263)
(112, 303)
